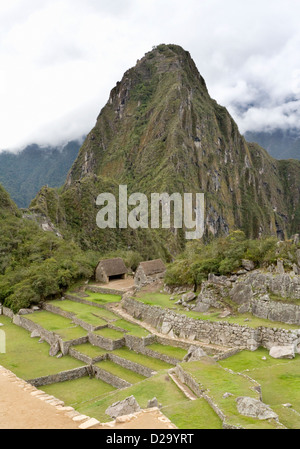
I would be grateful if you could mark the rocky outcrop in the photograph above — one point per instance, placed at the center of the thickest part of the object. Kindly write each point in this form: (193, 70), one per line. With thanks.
(194, 353)
(254, 408)
(125, 407)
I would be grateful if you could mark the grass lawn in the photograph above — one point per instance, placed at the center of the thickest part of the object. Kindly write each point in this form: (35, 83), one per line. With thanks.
(57, 324)
(84, 312)
(217, 381)
(28, 358)
(142, 359)
(160, 386)
(172, 351)
(133, 329)
(90, 350)
(279, 379)
(119, 371)
(102, 298)
(78, 391)
(193, 415)
(112, 334)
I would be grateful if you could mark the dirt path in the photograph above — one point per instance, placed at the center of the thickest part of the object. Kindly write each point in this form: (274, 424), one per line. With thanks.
(19, 409)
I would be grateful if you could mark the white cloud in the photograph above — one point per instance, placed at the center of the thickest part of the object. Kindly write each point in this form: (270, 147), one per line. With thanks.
(60, 59)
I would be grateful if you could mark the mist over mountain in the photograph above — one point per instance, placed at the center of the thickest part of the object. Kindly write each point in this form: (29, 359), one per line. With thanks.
(280, 143)
(22, 174)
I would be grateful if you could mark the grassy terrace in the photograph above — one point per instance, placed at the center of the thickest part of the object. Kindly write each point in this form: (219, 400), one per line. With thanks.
(109, 333)
(163, 300)
(84, 312)
(78, 391)
(98, 298)
(217, 381)
(133, 329)
(279, 379)
(28, 358)
(171, 351)
(185, 414)
(90, 350)
(120, 372)
(150, 362)
(58, 324)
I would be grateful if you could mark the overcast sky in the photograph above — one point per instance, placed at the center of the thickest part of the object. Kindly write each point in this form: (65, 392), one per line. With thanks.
(59, 59)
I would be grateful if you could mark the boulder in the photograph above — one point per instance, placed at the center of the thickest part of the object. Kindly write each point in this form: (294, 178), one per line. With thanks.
(282, 352)
(35, 333)
(152, 403)
(187, 297)
(247, 264)
(254, 408)
(24, 311)
(54, 349)
(194, 353)
(125, 407)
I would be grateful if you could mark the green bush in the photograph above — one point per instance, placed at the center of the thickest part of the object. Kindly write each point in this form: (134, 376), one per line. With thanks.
(224, 255)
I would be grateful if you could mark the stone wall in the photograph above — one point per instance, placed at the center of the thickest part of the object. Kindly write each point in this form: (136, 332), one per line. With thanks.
(219, 333)
(128, 364)
(110, 378)
(105, 343)
(85, 358)
(75, 373)
(110, 291)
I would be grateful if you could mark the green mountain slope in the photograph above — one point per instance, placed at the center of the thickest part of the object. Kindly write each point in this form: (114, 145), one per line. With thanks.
(161, 131)
(24, 173)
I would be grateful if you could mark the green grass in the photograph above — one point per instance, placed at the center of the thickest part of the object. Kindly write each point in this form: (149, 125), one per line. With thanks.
(112, 334)
(171, 351)
(28, 358)
(156, 299)
(57, 324)
(78, 391)
(119, 371)
(212, 377)
(193, 415)
(279, 379)
(133, 329)
(90, 350)
(160, 386)
(149, 362)
(102, 298)
(84, 312)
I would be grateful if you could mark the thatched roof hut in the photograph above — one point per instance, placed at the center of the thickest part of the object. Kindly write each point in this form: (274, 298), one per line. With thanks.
(149, 271)
(108, 269)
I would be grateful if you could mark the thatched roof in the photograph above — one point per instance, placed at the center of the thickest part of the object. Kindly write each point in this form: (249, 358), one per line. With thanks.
(113, 267)
(153, 267)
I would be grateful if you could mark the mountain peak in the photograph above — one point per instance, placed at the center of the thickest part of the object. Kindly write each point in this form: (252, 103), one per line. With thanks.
(161, 132)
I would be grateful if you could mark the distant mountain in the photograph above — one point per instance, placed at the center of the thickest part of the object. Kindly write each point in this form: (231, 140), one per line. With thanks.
(160, 131)
(281, 144)
(23, 174)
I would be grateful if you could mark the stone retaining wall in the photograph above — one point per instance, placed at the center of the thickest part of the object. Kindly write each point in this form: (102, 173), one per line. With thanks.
(210, 332)
(187, 379)
(75, 373)
(110, 378)
(105, 343)
(85, 358)
(104, 290)
(128, 364)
